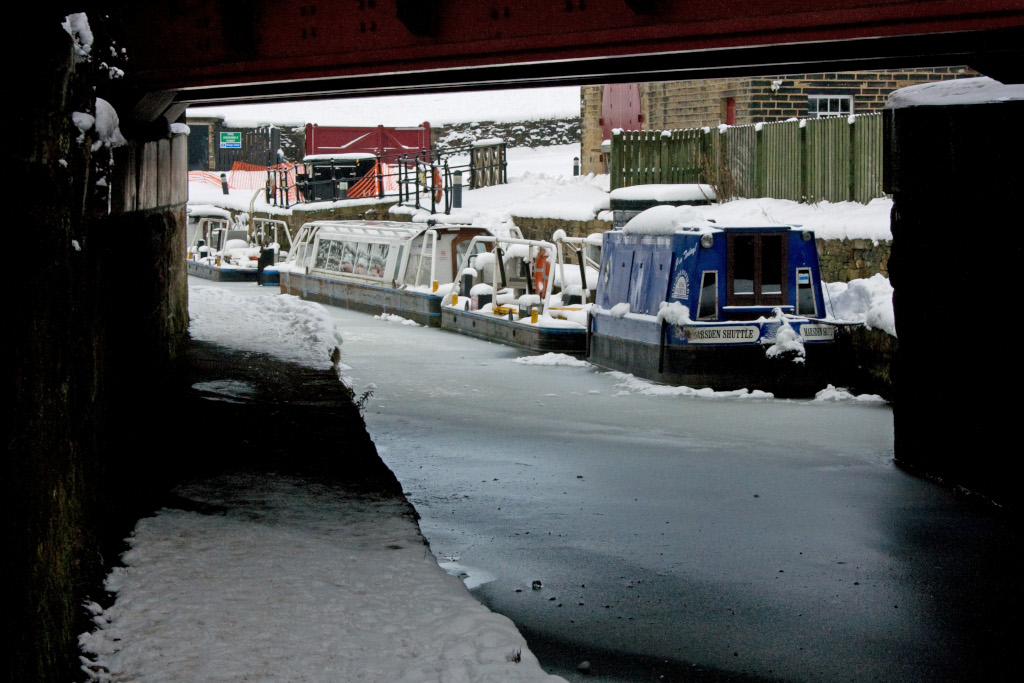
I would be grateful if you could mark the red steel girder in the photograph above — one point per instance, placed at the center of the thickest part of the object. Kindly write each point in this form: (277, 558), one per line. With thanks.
(230, 50)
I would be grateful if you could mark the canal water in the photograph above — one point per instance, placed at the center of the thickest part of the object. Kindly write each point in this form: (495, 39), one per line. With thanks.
(641, 532)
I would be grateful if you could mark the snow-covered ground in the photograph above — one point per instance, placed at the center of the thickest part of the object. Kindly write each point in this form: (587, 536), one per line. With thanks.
(294, 582)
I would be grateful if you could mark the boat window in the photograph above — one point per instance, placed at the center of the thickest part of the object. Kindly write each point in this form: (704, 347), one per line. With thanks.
(418, 270)
(743, 265)
(757, 269)
(461, 247)
(805, 293)
(771, 264)
(362, 259)
(323, 249)
(348, 257)
(707, 307)
(334, 258)
(378, 257)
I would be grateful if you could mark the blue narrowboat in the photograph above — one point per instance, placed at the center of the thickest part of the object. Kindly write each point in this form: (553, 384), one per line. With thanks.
(683, 301)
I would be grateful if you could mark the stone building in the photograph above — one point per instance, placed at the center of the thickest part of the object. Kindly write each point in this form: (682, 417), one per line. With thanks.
(669, 105)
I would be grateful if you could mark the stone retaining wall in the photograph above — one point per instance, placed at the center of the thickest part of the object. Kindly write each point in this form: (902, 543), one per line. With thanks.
(543, 228)
(845, 260)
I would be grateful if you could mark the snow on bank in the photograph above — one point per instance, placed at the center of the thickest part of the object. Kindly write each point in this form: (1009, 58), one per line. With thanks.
(288, 580)
(828, 220)
(297, 582)
(283, 326)
(541, 185)
(868, 300)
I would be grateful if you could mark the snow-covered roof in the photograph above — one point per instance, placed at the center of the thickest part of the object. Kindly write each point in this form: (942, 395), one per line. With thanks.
(207, 210)
(982, 90)
(668, 220)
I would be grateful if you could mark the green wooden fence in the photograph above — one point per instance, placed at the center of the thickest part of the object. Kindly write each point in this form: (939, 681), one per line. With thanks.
(833, 159)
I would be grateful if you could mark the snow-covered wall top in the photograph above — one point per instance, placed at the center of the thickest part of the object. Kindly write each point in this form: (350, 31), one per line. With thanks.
(665, 193)
(961, 91)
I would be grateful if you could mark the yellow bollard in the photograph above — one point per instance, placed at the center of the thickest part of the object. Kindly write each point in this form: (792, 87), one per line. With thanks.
(455, 298)
(433, 285)
(533, 315)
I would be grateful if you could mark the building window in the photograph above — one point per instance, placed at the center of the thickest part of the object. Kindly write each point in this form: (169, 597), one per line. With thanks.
(819, 106)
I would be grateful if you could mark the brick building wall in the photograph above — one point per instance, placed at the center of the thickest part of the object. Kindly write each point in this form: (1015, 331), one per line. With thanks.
(669, 105)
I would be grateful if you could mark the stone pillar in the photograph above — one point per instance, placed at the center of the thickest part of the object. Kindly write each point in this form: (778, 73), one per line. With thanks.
(955, 173)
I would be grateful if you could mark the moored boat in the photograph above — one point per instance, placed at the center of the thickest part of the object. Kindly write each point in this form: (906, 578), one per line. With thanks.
(684, 301)
(378, 266)
(523, 293)
(222, 250)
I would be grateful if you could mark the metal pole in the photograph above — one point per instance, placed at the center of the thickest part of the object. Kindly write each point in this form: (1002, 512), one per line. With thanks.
(457, 191)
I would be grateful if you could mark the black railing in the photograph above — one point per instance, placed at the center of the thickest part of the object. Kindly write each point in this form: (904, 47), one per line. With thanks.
(424, 180)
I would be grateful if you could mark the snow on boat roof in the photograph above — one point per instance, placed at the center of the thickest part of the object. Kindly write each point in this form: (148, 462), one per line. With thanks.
(982, 90)
(689, 192)
(348, 156)
(668, 220)
(207, 210)
(398, 229)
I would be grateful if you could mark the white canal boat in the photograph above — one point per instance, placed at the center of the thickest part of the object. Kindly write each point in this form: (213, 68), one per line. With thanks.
(378, 267)
(524, 293)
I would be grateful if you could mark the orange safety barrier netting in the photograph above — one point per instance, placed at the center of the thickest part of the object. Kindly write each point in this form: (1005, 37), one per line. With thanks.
(245, 176)
(367, 185)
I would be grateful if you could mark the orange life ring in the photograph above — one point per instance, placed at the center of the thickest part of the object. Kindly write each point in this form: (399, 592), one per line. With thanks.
(438, 188)
(540, 272)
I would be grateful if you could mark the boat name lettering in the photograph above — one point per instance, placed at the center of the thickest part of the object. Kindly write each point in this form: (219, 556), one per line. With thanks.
(722, 335)
(817, 332)
(690, 252)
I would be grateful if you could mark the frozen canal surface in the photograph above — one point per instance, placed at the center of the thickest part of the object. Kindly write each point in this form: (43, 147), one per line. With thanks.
(737, 535)
(683, 538)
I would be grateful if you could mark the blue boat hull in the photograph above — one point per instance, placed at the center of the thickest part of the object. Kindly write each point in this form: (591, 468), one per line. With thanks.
(637, 347)
(208, 272)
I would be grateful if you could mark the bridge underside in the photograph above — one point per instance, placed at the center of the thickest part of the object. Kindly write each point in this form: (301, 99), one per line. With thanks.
(197, 53)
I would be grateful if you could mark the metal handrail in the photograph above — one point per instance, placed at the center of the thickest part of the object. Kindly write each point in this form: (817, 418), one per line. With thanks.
(410, 185)
(497, 241)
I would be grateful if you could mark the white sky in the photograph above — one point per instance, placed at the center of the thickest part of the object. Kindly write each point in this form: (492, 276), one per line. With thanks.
(527, 104)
